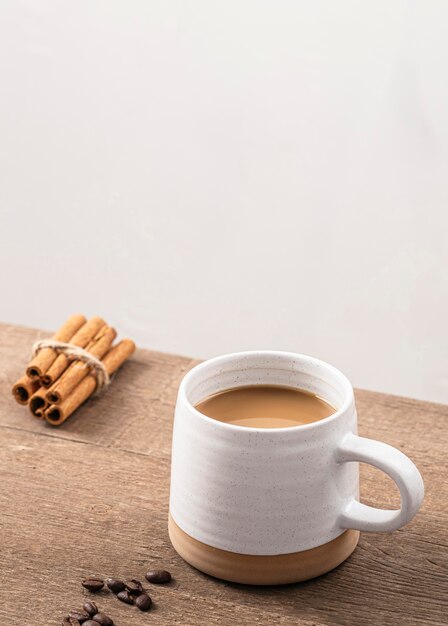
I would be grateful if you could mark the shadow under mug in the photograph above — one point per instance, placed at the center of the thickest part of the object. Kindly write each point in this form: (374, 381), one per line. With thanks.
(275, 505)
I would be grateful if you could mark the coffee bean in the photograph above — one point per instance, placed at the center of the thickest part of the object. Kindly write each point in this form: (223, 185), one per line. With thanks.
(90, 607)
(70, 621)
(93, 584)
(143, 602)
(80, 615)
(134, 587)
(91, 622)
(103, 619)
(158, 576)
(125, 596)
(115, 585)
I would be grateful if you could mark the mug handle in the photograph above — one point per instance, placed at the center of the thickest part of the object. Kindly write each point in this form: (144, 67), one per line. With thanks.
(402, 470)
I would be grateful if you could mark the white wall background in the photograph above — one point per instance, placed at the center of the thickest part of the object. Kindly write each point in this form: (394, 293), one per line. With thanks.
(214, 176)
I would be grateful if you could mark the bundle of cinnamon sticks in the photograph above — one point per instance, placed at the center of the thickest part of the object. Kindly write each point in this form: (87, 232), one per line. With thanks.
(56, 384)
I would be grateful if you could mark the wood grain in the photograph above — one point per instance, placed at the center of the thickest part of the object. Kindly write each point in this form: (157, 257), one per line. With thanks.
(92, 498)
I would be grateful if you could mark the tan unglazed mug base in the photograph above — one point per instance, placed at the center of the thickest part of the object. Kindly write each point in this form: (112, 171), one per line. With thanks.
(259, 569)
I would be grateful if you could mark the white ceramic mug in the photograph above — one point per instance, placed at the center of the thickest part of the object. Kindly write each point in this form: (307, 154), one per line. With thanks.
(268, 506)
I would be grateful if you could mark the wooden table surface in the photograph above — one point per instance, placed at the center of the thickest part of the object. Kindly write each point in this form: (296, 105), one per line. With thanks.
(91, 497)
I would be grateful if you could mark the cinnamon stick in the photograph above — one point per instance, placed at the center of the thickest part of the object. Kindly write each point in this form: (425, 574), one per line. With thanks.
(42, 361)
(81, 338)
(24, 389)
(57, 414)
(77, 371)
(38, 402)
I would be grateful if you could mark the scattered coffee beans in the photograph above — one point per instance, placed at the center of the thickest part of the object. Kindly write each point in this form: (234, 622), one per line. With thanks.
(90, 607)
(80, 615)
(158, 576)
(134, 587)
(115, 585)
(143, 602)
(126, 597)
(129, 592)
(93, 584)
(103, 619)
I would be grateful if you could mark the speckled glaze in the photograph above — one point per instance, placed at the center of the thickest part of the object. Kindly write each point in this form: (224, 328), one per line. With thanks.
(277, 491)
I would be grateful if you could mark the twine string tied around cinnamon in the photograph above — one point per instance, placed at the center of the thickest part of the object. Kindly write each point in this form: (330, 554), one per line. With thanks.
(75, 353)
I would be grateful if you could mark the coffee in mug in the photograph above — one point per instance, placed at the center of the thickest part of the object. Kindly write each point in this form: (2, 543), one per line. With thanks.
(265, 406)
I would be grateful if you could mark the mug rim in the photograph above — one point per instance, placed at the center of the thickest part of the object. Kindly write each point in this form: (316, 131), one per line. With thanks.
(224, 358)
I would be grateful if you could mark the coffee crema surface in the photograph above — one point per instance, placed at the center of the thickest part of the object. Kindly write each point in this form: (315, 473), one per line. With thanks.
(265, 406)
